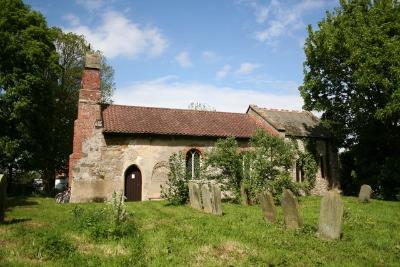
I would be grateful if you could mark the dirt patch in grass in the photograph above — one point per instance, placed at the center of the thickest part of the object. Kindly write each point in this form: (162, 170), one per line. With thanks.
(226, 253)
(86, 247)
(34, 224)
(155, 224)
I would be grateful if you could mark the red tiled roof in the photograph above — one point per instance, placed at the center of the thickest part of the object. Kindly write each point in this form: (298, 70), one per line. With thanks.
(165, 121)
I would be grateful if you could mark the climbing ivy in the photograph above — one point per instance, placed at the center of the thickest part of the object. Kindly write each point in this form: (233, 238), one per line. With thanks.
(309, 166)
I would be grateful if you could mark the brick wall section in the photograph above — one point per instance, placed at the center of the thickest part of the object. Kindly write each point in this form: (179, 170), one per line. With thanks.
(88, 109)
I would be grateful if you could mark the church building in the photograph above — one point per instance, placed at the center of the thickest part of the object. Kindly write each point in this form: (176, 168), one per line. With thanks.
(126, 148)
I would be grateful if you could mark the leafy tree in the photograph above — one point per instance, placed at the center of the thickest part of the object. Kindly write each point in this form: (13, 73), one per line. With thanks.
(176, 190)
(201, 106)
(40, 73)
(270, 163)
(352, 75)
(28, 75)
(226, 158)
(309, 168)
(72, 49)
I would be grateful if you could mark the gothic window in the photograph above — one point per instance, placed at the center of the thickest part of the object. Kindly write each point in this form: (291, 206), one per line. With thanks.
(193, 163)
(299, 173)
(321, 162)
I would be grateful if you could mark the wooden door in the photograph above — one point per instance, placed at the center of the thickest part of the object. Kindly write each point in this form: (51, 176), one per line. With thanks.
(133, 184)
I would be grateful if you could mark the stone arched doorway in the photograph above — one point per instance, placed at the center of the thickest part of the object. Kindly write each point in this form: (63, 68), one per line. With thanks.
(133, 184)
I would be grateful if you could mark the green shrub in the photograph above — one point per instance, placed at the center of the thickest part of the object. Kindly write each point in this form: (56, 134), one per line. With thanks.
(309, 166)
(283, 181)
(176, 190)
(227, 158)
(52, 245)
(266, 166)
(110, 222)
(270, 163)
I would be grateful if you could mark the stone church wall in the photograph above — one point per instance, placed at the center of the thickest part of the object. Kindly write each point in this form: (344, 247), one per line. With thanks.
(101, 170)
(329, 165)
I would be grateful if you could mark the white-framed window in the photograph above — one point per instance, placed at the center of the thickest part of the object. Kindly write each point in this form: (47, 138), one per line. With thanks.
(299, 173)
(193, 158)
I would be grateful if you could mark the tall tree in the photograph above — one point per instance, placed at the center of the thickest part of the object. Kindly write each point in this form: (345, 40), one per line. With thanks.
(71, 49)
(352, 75)
(201, 106)
(40, 73)
(28, 75)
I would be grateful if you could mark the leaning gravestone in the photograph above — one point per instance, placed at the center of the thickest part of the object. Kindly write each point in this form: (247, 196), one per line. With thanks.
(331, 216)
(268, 206)
(365, 193)
(2, 196)
(195, 195)
(216, 199)
(206, 198)
(291, 210)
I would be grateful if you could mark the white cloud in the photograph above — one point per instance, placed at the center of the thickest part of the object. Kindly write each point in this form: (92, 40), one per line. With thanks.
(72, 19)
(223, 71)
(184, 60)
(209, 56)
(281, 19)
(116, 35)
(91, 5)
(262, 14)
(247, 68)
(281, 85)
(170, 92)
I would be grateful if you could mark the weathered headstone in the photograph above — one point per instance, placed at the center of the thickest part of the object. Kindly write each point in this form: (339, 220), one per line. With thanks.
(2, 196)
(195, 195)
(268, 206)
(216, 199)
(291, 210)
(365, 193)
(330, 216)
(243, 195)
(206, 198)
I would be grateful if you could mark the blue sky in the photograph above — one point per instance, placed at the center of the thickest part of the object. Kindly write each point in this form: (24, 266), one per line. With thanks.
(226, 53)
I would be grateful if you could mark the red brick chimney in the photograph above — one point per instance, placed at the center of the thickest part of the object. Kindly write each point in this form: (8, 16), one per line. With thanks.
(89, 112)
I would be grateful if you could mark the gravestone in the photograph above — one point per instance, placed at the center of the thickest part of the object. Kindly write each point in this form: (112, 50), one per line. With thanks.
(365, 193)
(216, 199)
(206, 197)
(268, 206)
(243, 195)
(2, 196)
(195, 195)
(291, 210)
(330, 216)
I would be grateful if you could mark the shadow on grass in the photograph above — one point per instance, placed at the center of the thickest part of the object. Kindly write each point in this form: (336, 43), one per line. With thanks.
(19, 201)
(15, 221)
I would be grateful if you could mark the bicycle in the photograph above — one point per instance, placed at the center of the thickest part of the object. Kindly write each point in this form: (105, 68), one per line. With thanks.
(63, 197)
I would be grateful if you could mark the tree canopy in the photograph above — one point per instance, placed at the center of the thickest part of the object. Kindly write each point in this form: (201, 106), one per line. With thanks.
(28, 77)
(352, 76)
(40, 73)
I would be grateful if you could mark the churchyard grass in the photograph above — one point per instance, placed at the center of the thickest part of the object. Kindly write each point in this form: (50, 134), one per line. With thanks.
(39, 232)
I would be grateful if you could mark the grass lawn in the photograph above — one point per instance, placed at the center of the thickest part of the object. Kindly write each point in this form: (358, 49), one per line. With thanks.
(39, 232)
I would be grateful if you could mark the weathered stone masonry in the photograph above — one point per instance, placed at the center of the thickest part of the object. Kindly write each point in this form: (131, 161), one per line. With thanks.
(108, 139)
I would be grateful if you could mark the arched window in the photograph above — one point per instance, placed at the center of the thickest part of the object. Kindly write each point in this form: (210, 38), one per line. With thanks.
(299, 172)
(193, 163)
